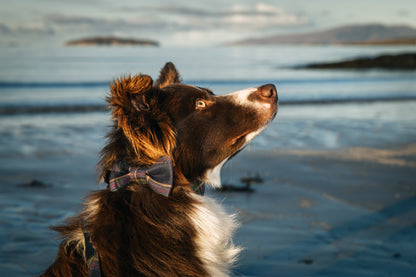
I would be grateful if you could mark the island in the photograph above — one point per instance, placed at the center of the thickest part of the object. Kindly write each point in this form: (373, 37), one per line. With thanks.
(405, 61)
(111, 41)
(366, 34)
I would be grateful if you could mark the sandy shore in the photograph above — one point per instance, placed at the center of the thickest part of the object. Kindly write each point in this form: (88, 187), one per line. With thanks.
(349, 212)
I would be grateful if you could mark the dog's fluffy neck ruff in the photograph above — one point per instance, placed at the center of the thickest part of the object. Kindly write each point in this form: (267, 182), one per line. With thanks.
(213, 226)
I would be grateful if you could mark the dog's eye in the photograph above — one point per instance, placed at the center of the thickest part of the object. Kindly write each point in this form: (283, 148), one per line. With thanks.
(200, 104)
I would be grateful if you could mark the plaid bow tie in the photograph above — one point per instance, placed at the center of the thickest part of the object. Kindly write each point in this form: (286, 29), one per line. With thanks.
(159, 176)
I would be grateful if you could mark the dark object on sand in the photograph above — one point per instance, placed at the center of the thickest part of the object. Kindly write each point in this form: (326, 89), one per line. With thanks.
(232, 188)
(406, 61)
(250, 180)
(247, 188)
(306, 261)
(35, 184)
(397, 255)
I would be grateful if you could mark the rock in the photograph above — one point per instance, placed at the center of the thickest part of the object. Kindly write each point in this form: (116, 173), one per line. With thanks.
(406, 61)
(35, 184)
(306, 261)
(111, 41)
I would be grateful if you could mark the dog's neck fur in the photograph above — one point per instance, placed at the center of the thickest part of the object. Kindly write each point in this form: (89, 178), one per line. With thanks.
(210, 228)
(193, 239)
(215, 228)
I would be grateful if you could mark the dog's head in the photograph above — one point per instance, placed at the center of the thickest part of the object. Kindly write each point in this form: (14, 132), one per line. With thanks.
(197, 129)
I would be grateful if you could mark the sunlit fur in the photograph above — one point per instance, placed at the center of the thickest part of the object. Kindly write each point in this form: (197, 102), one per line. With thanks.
(214, 229)
(142, 133)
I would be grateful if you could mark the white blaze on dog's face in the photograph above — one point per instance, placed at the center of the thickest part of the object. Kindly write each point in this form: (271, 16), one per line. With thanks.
(211, 129)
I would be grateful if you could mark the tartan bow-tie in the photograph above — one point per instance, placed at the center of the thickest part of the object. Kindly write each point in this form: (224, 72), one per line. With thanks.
(159, 176)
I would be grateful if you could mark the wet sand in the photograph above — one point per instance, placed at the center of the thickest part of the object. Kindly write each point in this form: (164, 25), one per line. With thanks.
(348, 212)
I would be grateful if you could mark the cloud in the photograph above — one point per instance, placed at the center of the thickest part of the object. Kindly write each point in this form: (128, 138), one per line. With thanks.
(258, 10)
(237, 17)
(405, 13)
(168, 19)
(30, 28)
(4, 29)
(168, 22)
(215, 26)
(94, 24)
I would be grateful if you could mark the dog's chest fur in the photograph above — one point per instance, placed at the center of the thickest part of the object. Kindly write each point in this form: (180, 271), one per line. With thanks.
(209, 243)
(215, 228)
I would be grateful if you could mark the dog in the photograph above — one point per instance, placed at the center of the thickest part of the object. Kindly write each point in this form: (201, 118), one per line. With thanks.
(170, 139)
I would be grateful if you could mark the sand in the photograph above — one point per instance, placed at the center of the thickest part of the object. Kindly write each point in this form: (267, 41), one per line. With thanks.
(345, 212)
(349, 212)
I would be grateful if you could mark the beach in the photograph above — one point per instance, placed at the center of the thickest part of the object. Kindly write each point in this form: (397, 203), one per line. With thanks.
(318, 213)
(327, 214)
(344, 211)
(338, 163)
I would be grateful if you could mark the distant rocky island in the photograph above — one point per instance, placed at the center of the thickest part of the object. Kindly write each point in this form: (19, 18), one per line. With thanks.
(406, 61)
(111, 41)
(369, 34)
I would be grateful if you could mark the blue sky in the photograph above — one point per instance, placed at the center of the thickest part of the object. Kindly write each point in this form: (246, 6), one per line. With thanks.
(179, 22)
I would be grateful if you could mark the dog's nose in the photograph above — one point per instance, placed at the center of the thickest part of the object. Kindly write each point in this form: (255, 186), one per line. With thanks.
(267, 92)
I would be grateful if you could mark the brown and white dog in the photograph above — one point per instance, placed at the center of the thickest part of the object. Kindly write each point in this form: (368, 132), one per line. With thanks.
(135, 230)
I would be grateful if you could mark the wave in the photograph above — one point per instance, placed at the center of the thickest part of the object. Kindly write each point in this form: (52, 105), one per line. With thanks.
(211, 82)
(52, 84)
(358, 100)
(32, 109)
(79, 108)
(277, 81)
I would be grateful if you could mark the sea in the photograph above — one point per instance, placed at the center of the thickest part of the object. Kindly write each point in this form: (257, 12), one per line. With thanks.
(53, 112)
(57, 91)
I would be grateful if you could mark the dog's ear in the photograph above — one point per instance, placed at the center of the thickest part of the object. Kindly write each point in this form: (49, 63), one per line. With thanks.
(168, 75)
(129, 94)
(136, 113)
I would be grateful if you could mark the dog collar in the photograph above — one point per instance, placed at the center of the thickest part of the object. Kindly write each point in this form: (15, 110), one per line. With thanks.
(199, 188)
(159, 176)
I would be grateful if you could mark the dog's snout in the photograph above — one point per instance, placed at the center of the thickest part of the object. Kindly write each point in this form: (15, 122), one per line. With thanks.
(267, 92)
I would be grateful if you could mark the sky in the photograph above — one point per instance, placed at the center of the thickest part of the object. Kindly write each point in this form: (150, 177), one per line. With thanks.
(187, 23)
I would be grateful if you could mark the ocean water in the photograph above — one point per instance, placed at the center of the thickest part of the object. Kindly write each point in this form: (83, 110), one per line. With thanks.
(53, 119)
(48, 94)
